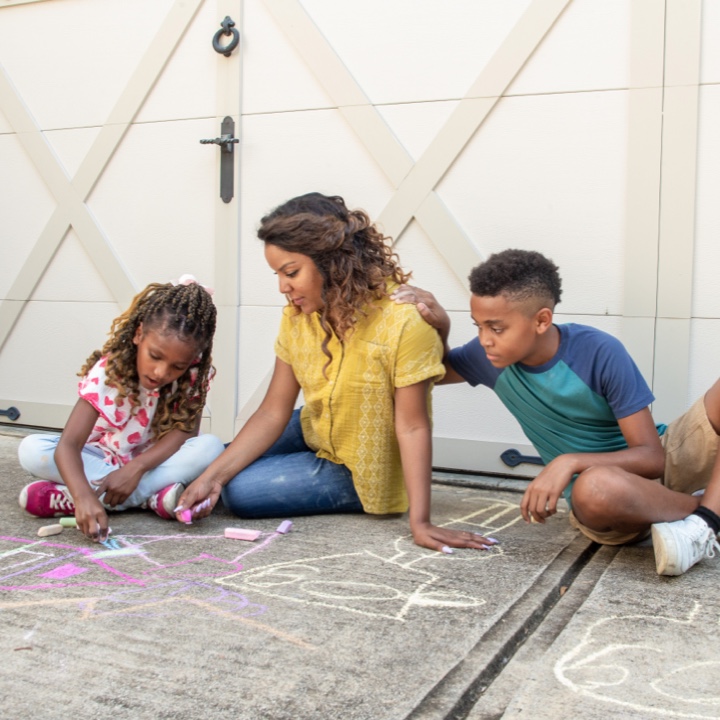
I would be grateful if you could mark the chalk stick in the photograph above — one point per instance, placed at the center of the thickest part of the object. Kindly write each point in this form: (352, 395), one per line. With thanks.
(284, 527)
(68, 522)
(50, 530)
(186, 517)
(241, 534)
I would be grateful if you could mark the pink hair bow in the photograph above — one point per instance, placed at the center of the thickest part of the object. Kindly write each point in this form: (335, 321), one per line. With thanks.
(192, 280)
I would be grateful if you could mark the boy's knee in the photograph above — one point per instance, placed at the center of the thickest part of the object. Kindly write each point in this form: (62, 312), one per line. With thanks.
(595, 490)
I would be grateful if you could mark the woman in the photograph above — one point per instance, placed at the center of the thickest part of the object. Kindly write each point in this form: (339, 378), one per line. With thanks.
(366, 366)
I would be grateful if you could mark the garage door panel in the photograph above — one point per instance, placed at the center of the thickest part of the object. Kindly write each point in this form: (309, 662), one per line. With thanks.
(19, 180)
(48, 345)
(72, 277)
(164, 226)
(187, 87)
(71, 146)
(275, 77)
(710, 42)
(435, 49)
(705, 297)
(587, 49)
(548, 174)
(289, 154)
(79, 52)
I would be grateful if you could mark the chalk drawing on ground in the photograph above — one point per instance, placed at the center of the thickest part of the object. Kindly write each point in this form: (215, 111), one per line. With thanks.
(324, 581)
(665, 673)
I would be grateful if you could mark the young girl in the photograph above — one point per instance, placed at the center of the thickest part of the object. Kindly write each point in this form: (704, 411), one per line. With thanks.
(362, 441)
(132, 438)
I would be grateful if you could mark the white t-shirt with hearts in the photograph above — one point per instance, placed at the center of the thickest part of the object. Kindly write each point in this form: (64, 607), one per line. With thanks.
(119, 434)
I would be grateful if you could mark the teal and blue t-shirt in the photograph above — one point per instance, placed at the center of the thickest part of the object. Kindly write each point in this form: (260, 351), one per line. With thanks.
(570, 404)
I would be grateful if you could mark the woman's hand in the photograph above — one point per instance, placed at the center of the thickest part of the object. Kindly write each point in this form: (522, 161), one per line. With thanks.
(200, 497)
(91, 518)
(443, 540)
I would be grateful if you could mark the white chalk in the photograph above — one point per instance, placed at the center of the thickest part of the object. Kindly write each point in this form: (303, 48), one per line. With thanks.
(242, 534)
(447, 550)
(50, 530)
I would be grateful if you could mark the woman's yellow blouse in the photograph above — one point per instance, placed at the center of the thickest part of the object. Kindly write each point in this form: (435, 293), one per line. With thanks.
(348, 416)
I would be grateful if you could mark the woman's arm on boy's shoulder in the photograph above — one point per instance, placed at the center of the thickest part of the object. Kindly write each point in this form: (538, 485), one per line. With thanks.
(434, 315)
(644, 456)
(257, 435)
(414, 435)
(89, 513)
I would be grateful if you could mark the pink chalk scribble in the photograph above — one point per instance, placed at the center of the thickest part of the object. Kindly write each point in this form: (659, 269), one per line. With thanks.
(64, 571)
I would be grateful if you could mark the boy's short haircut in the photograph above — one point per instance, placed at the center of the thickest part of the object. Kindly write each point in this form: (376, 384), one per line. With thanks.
(518, 274)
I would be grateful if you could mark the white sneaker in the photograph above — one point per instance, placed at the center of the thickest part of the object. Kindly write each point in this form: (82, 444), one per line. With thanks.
(679, 545)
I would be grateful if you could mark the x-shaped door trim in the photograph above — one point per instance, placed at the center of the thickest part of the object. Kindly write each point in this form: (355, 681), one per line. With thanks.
(71, 194)
(415, 180)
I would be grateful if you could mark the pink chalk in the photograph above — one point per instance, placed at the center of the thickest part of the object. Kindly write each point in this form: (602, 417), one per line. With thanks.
(240, 534)
(186, 516)
(284, 527)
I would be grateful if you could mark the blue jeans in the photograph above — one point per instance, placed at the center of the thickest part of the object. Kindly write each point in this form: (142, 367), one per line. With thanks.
(37, 455)
(289, 479)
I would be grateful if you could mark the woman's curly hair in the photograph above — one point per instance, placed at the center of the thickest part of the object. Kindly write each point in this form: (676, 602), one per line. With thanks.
(354, 259)
(186, 311)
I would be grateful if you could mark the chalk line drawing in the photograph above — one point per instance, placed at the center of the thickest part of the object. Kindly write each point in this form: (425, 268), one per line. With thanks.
(143, 587)
(661, 675)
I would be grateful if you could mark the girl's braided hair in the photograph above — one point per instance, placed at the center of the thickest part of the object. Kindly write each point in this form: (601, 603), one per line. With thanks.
(186, 311)
(354, 259)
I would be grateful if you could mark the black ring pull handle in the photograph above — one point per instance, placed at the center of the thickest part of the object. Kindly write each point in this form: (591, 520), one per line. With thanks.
(12, 413)
(227, 28)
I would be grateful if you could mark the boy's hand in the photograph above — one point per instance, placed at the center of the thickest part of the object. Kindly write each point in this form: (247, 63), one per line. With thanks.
(91, 518)
(197, 493)
(118, 485)
(429, 308)
(441, 539)
(540, 499)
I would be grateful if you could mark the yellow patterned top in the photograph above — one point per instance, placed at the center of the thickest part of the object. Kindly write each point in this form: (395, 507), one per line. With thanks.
(348, 416)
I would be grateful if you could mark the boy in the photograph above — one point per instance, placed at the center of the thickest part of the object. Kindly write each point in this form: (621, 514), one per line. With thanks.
(583, 404)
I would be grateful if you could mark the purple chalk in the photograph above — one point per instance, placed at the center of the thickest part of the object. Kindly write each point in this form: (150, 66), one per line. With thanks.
(284, 527)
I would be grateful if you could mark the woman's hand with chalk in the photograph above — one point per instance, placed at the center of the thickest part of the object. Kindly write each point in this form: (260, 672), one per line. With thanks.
(198, 499)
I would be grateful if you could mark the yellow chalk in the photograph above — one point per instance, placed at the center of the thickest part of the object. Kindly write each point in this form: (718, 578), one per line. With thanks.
(50, 530)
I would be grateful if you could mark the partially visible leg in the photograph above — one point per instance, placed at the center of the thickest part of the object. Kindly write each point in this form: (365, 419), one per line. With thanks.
(49, 497)
(190, 461)
(610, 498)
(296, 483)
(711, 498)
(692, 462)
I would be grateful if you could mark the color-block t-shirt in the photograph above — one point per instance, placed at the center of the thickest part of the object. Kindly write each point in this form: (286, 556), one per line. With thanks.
(571, 403)
(348, 416)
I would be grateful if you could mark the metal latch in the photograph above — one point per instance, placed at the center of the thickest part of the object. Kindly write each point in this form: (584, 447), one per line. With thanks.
(12, 413)
(226, 142)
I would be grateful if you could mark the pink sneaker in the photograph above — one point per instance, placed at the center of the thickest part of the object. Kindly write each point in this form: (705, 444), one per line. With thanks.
(46, 499)
(164, 502)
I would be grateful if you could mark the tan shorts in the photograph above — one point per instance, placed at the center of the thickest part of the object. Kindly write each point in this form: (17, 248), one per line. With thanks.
(690, 445)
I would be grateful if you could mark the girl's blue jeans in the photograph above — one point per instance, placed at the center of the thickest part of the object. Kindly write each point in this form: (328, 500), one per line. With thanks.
(37, 455)
(289, 479)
